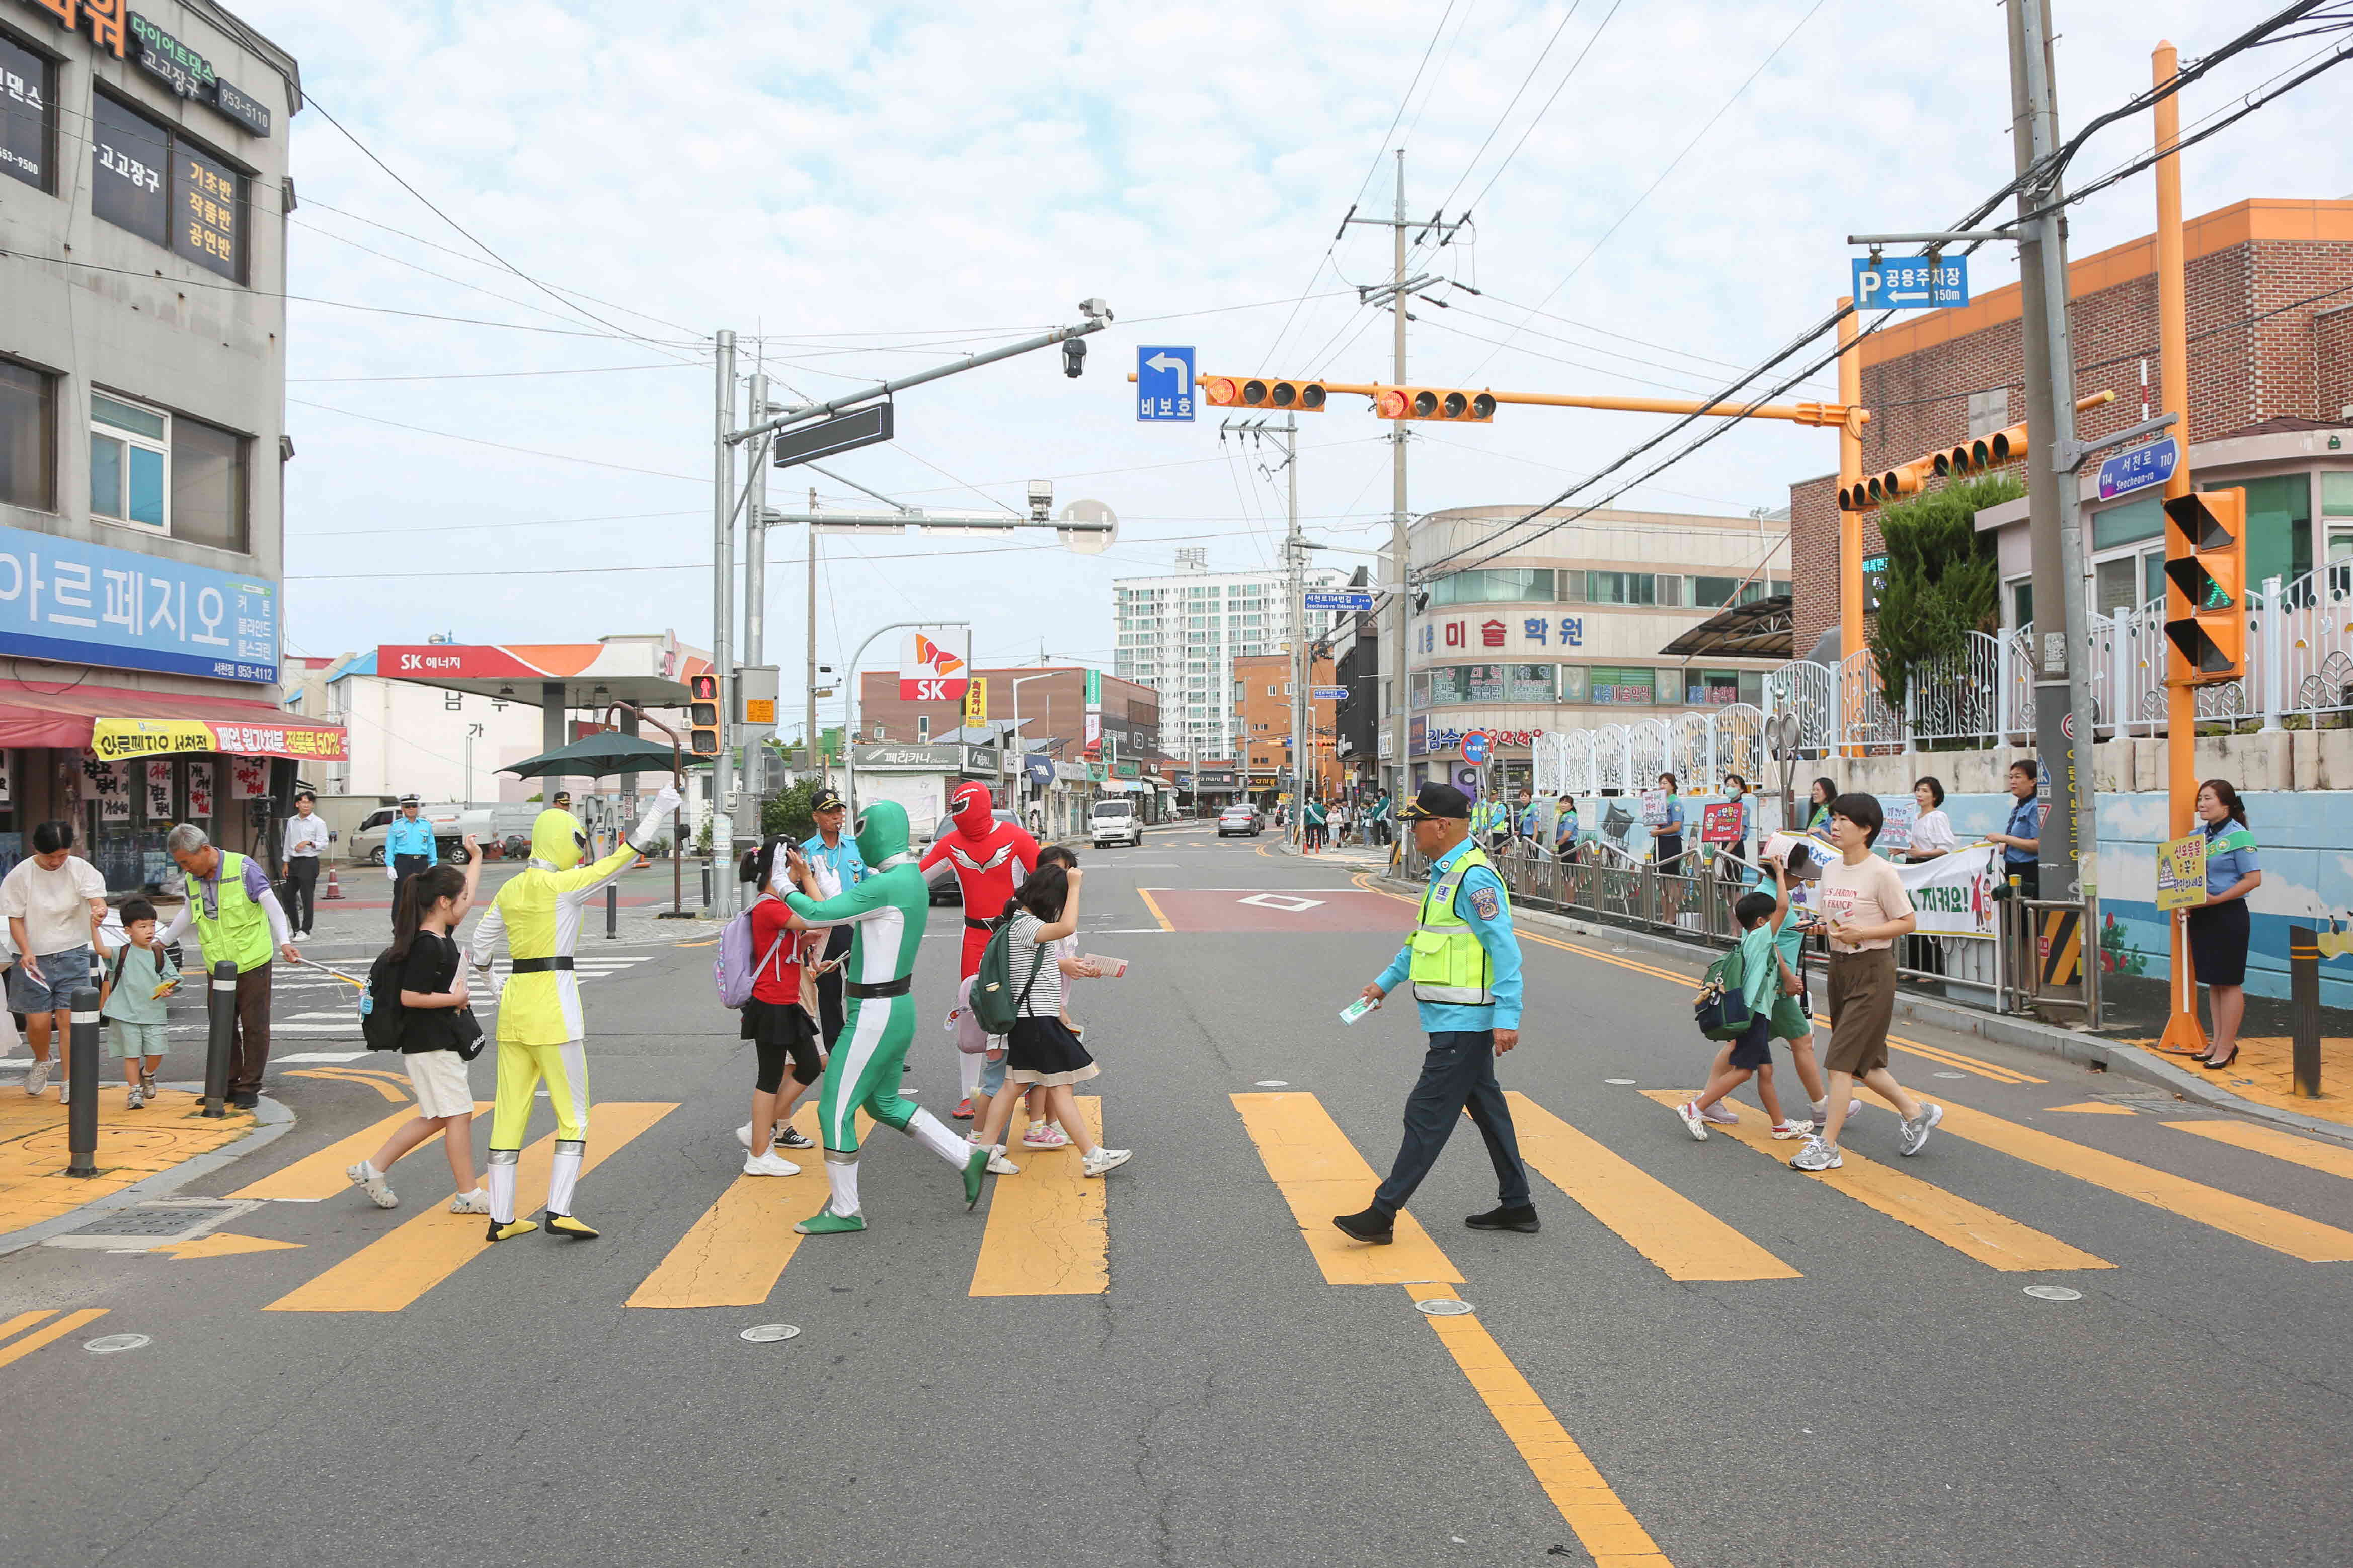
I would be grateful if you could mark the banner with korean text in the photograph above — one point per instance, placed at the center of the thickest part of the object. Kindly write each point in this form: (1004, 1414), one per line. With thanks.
(1952, 895)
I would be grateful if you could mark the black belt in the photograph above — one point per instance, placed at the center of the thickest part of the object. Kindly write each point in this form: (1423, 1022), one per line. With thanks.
(972, 924)
(898, 987)
(539, 965)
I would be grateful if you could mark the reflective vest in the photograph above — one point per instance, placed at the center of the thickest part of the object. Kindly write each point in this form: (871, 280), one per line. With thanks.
(239, 929)
(1449, 965)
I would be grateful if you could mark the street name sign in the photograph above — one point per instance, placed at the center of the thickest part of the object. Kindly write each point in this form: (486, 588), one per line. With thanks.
(1164, 382)
(1359, 600)
(1910, 283)
(2139, 468)
(842, 433)
(1329, 693)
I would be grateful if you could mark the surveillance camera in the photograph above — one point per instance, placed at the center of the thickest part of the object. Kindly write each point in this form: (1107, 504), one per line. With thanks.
(1074, 357)
(1095, 309)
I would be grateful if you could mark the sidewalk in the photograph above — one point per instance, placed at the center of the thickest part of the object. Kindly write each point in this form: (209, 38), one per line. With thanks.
(141, 1154)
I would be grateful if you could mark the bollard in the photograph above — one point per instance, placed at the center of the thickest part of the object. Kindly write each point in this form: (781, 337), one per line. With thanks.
(220, 1013)
(2303, 992)
(706, 884)
(81, 1073)
(612, 910)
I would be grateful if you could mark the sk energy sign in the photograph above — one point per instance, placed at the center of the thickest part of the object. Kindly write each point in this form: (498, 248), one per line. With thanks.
(936, 666)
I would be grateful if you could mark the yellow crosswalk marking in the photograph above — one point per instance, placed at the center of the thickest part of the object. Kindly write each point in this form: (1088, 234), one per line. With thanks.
(392, 1272)
(1671, 1231)
(222, 1244)
(24, 1320)
(1320, 1174)
(1993, 1240)
(2260, 1223)
(2335, 1159)
(22, 1348)
(1047, 1234)
(735, 1253)
(2095, 1108)
(320, 1175)
(371, 1079)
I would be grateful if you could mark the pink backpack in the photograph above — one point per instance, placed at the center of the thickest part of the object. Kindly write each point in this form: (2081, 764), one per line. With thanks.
(733, 971)
(972, 1040)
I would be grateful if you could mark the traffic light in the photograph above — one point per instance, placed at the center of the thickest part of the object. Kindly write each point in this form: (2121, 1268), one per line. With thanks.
(1893, 484)
(1433, 403)
(1262, 392)
(703, 714)
(2206, 572)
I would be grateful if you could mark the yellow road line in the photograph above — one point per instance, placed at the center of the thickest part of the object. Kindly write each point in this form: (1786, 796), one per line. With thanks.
(1320, 1174)
(1046, 1233)
(1995, 1240)
(2260, 1223)
(1604, 1526)
(1659, 1222)
(1153, 904)
(2100, 1108)
(2332, 1158)
(320, 1175)
(376, 1084)
(24, 1320)
(395, 1270)
(735, 1253)
(55, 1330)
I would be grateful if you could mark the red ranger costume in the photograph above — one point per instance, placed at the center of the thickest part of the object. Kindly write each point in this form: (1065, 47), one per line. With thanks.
(990, 860)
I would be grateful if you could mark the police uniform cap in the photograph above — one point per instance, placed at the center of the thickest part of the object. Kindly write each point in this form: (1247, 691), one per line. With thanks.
(1437, 800)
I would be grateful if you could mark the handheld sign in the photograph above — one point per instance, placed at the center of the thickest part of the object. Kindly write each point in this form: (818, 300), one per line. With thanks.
(2181, 872)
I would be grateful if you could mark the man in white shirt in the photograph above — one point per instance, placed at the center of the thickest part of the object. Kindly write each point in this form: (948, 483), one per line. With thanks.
(306, 839)
(53, 900)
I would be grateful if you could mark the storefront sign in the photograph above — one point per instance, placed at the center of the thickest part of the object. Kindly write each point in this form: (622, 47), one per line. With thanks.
(1040, 768)
(2181, 872)
(981, 760)
(1071, 772)
(945, 756)
(189, 74)
(108, 784)
(104, 19)
(1519, 634)
(249, 778)
(200, 791)
(935, 665)
(1425, 740)
(158, 784)
(1093, 747)
(118, 738)
(91, 604)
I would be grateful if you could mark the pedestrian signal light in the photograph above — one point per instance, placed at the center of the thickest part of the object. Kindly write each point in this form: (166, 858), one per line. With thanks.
(703, 714)
(2206, 573)
(1433, 403)
(1262, 392)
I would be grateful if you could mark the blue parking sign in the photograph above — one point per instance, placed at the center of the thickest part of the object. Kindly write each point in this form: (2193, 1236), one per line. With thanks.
(1910, 283)
(1163, 382)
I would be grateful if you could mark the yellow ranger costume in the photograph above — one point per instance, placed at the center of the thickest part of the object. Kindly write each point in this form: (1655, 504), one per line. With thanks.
(541, 1029)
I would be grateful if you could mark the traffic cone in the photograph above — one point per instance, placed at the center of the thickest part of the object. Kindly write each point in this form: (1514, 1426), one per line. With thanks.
(334, 888)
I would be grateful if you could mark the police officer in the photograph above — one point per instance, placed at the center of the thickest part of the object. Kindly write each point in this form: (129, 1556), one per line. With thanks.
(409, 848)
(833, 854)
(1464, 965)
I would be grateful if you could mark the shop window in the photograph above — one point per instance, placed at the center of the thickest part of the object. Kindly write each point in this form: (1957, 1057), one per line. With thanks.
(1711, 687)
(1620, 588)
(1714, 593)
(28, 116)
(1622, 687)
(1572, 683)
(28, 443)
(130, 457)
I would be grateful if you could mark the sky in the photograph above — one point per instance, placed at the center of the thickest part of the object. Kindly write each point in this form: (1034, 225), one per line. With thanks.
(534, 216)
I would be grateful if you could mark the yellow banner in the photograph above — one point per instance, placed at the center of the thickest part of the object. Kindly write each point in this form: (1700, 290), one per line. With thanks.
(2181, 872)
(975, 701)
(115, 739)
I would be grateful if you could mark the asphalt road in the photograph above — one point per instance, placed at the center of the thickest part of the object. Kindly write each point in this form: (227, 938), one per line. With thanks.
(1880, 1390)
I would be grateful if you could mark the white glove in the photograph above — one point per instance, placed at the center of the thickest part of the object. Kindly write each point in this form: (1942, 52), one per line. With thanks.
(391, 874)
(666, 801)
(487, 983)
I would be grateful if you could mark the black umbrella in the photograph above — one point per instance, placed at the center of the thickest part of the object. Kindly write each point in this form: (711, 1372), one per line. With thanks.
(601, 756)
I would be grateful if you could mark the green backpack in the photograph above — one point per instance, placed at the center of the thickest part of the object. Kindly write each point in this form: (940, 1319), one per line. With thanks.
(1721, 1008)
(994, 1004)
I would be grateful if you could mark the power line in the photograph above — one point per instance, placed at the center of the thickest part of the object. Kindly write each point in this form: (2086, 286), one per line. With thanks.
(502, 446)
(491, 375)
(1481, 199)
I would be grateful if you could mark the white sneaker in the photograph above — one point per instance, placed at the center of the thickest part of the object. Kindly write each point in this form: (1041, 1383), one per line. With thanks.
(64, 1092)
(1817, 1155)
(1916, 1131)
(769, 1164)
(1103, 1160)
(1720, 1115)
(370, 1180)
(1689, 1112)
(781, 1133)
(1822, 1110)
(998, 1165)
(38, 1079)
(1787, 1129)
(133, 1098)
(476, 1202)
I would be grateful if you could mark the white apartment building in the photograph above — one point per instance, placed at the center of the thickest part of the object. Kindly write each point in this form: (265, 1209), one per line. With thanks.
(1180, 636)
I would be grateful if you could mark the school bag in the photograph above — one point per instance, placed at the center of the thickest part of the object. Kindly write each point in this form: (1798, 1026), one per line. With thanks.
(733, 971)
(380, 1009)
(994, 1004)
(1721, 1009)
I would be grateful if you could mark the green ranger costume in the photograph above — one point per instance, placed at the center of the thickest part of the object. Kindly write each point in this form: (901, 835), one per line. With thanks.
(887, 911)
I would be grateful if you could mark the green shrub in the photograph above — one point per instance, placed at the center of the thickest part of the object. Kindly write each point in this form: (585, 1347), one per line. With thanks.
(1943, 581)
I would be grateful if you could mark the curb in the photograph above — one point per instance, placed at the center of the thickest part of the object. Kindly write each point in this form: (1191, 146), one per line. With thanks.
(276, 1121)
(2066, 1045)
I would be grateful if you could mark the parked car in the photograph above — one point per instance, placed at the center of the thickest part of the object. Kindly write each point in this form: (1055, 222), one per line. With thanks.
(450, 826)
(1115, 821)
(1244, 818)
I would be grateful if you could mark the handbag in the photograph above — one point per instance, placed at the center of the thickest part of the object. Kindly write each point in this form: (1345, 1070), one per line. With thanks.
(467, 1031)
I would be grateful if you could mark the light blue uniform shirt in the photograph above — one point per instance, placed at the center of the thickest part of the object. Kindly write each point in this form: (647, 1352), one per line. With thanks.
(1494, 934)
(842, 860)
(406, 837)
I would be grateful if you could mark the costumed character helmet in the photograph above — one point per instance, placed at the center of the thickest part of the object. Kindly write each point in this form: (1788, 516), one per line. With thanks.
(881, 831)
(558, 838)
(972, 809)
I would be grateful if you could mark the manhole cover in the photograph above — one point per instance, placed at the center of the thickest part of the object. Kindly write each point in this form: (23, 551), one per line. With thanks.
(107, 1344)
(143, 1224)
(1443, 1307)
(768, 1333)
(1274, 1083)
(2053, 1293)
(1952, 1075)
(1619, 1080)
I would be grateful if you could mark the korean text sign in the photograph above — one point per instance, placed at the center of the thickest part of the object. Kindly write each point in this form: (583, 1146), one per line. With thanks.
(92, 604)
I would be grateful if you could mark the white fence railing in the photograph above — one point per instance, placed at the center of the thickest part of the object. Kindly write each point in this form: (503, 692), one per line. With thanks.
(2298, 671)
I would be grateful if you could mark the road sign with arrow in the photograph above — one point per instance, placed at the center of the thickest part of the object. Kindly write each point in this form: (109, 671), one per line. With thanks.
(1163, 382)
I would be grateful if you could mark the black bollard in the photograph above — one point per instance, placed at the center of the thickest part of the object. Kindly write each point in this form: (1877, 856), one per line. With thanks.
(706, 884)
(612, 910)
(81, 1073)
(220, 1013)
(2304, 992)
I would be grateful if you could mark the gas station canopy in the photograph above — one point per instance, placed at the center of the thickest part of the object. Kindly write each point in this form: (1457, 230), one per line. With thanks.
(650, 671)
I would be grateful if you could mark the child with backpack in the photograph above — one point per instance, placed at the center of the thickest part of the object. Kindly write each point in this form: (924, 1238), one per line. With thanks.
(133, 1001)
(420, 982)
(1762, 977)
(779, 1027)
(1041, 1049)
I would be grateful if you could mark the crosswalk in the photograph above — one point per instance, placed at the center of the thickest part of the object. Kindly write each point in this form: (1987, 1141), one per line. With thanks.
(339, 1018)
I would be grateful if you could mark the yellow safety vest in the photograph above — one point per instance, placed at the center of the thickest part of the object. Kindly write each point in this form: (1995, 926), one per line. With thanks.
(239, 929)
(1449, 965)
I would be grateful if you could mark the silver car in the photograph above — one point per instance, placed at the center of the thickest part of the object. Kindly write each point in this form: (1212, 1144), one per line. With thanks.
(1243, 818)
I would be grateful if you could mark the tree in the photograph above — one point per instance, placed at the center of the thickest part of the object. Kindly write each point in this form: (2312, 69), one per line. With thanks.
(787, 813)
(1943, 582)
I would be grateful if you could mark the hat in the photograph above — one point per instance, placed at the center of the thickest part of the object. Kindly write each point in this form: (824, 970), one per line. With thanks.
(1436, 800)
(410, 800)
(827, 799)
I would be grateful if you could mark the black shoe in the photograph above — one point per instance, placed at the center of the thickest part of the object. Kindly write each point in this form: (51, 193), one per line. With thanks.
(1522, 1219)
(245, 1100)
(1372, 1226)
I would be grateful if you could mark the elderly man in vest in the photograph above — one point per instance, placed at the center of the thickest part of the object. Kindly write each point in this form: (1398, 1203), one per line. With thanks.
(238, 918)
(1464, 964)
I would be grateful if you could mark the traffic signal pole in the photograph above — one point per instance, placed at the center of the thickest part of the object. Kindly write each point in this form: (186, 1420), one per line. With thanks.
(1850, 469)
(723, 615)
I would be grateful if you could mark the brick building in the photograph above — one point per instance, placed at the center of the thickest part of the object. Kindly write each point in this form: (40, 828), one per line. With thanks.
(1263, 706)
(2270, 288)
(1050, 704)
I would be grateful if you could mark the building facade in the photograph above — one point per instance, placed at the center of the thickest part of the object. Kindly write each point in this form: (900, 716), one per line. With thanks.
(1264, 699)
(1048, 702)
(1550, 628)
(1180, 636)
(143, 189)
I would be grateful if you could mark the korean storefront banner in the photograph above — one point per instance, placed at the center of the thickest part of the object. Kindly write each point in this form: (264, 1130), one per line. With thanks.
(249, 778)
(120, 738)
(159, 790)
(200, 791)
(91, 604)
(109, 785)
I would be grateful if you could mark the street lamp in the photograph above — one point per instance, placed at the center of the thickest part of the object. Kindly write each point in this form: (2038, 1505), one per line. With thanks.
(849, 704)
(1019, 683)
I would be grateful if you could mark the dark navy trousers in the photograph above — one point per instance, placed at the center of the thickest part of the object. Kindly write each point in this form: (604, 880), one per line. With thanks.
(1459, 1072)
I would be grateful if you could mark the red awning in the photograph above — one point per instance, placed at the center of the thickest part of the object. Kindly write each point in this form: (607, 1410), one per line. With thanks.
(159, 723)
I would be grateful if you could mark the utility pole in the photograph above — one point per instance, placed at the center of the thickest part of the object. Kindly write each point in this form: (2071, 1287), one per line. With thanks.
(1296, 553)
(2062, 698)
(756, 589)
(722, 617)
(809, 735)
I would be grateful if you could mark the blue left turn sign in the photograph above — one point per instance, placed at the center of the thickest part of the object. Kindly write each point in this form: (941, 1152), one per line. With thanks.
(1163, 382)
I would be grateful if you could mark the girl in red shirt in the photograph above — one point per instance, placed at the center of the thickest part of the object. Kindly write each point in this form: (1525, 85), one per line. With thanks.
(778, 1026)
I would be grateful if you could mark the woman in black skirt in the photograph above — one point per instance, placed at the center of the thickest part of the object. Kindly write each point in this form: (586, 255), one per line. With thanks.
(776, 1023)
(1041, 1050)
(2220, 928)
